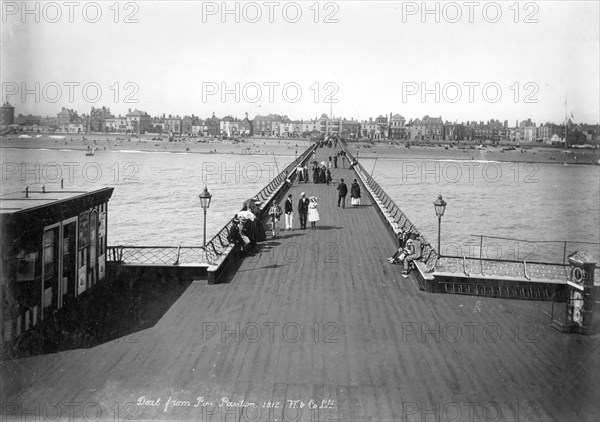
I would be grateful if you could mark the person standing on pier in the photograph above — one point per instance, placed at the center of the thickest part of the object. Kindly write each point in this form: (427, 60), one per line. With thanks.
(303, 209)
(313, 212)
(335, 157)
(328, 177)
(315, 174)
(355, 193)
(342, 192)
(275, 214)
(288, 209)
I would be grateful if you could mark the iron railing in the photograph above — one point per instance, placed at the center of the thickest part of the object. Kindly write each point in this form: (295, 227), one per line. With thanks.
(216, 248)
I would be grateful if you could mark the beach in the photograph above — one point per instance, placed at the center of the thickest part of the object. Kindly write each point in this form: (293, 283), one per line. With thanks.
(155, 143)
(290, 147)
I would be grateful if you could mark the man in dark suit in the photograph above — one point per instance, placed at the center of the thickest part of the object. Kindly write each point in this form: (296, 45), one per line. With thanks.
(342, 192)
(288, 210)
(303, 210)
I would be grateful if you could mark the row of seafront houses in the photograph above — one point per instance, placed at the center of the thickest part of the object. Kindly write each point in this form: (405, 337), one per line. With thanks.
(392, 126)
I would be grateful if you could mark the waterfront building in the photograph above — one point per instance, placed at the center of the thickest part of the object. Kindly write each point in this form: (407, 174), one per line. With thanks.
(308, 127)
(199, 127)
(225, 125)
(65, 116)
(382, 124)
(213, 125)
(138, 121)
(325, 124)
(286, 127)
(115, 124)
(397, 126)
(455, 132)
(433, 128)
(186, 125)
(7, 115)
(97, 118)
(349, 129)
(368, 128)
(548, 132)
(53, 251)
(173, 125)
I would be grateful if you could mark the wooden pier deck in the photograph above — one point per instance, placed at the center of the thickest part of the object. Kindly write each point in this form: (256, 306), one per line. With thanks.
(320, 315)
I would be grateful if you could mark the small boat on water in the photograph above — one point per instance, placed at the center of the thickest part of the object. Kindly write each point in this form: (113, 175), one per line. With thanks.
(90, 153)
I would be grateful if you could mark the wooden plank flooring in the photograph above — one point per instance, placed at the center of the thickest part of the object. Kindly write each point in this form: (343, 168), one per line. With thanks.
(321, 321)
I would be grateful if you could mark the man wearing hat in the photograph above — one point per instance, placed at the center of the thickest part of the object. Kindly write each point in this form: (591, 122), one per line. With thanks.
(342, 192)
(288, 209)
(303, 210)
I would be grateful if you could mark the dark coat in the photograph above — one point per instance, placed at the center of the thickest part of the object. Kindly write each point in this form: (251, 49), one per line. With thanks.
(355, 190)
(342, 189)
(303, 205)
(288, 207)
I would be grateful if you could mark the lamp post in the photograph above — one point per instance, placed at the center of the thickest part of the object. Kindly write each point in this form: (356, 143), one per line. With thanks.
(440, 207)
(205, 198)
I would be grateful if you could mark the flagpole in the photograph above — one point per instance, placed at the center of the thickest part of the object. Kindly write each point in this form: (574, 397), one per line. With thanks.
(566, 144)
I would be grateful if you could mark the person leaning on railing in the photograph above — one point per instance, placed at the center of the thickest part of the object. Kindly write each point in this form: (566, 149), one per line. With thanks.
(236, 236)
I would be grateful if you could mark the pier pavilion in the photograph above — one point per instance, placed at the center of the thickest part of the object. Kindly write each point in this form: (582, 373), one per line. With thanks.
(53, 251)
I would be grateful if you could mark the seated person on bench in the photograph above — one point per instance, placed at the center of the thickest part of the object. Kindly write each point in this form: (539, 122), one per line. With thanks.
(398, 256)
(415, 247)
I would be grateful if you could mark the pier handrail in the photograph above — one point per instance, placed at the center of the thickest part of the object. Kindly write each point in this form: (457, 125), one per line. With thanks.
(217, 247)
(429, 254)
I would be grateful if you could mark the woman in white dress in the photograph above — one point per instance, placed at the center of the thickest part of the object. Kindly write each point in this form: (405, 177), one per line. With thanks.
(313, 212)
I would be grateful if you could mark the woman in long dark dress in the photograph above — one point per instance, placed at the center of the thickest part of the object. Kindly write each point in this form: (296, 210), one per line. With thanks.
(355, 193)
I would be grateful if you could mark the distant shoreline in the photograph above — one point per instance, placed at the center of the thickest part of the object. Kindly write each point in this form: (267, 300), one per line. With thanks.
(291, 147)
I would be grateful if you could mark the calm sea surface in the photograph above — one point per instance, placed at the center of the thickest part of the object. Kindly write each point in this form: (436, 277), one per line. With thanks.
(531, 202)
(155, 201)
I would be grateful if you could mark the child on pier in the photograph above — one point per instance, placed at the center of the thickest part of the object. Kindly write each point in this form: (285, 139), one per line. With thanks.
(275, 214)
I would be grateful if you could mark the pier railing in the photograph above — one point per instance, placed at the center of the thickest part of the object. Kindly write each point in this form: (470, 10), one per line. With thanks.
(396, 219)
(494, 256)
(216, 248)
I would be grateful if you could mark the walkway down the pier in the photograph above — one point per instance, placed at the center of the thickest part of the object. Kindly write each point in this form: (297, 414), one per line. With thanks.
(321, 315)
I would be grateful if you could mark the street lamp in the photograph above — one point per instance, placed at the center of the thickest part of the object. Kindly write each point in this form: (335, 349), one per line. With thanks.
(205, 203)
(440, 207)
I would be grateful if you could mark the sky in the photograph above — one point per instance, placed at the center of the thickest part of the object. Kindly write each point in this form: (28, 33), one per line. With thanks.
(462, 61)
